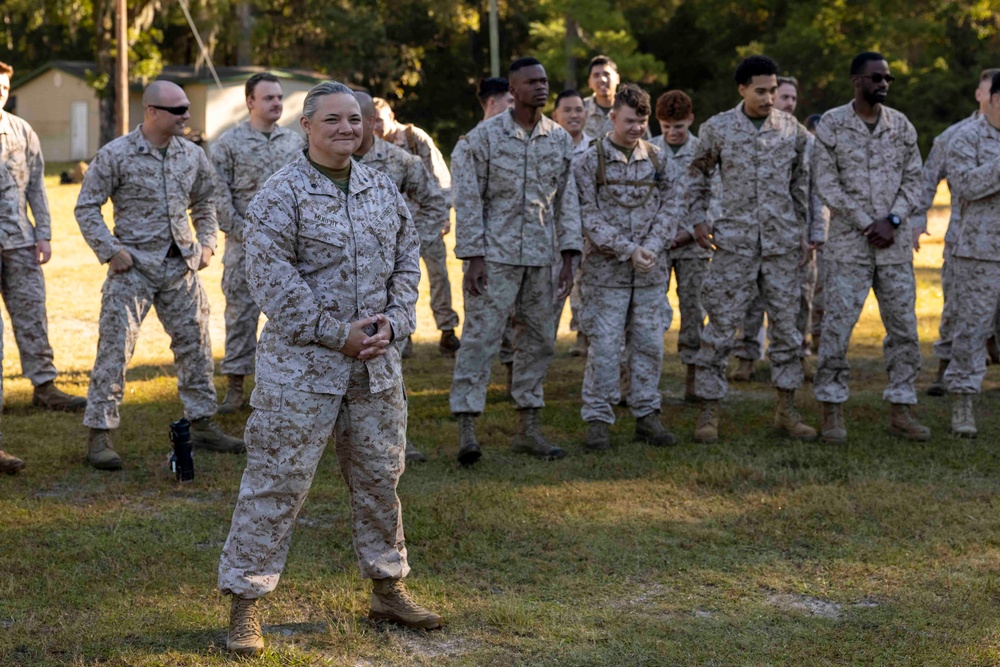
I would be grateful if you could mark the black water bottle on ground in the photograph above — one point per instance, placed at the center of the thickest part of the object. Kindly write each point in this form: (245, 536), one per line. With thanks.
(182, 456)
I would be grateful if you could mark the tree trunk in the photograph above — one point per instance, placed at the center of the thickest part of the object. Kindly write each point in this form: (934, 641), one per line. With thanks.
(245, 19)
(104, 37)
(568, 44)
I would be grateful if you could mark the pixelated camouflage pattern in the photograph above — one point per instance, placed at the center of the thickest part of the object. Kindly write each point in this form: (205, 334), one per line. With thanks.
(430, 214)
(765, 180)
(515, 196)
(731, 283)
(286, 436)
(621, 215)
(934, 171)
(151, 195)
(22, 284)
(183, 310)
(974, 174)
(845, 291)
(949, 310)
(748, 345)
(21, 152)
(419, 143)
(241, 314)
(689, 274)
(863, 176)
(317, 260)
(976, 305)
(528, 291)
(606, 312)
(679, 162)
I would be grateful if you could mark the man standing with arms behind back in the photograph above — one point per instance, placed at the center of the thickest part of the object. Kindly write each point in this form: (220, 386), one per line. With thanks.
(867, 171)
(517, 210)
(22, 281)
(244, 158)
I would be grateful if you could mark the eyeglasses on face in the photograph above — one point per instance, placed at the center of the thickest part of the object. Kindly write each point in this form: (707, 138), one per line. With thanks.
(878, 78)
(177, 111)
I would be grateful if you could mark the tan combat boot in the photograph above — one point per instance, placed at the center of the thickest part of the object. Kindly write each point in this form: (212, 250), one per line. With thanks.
(650, 429)
(100, 452)
(392, 602)
(234, 400)
(245, 636)
(937, 387)
(834, 430)
(963, 418)
(902, 423)
(10, 464)
(206, 434)
(707, 427)
(787, 419)
(413, 455)
(468, 447)
(449, 343)
(530, 440)
(49, 397)
(598, 438)
(581, 346)
(744, 371)
(689, 394)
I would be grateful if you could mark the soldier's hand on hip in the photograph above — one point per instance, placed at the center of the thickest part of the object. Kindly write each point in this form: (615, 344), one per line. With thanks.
(43, 251)
(376, 344)
(357, 336)
(120, 262)
(643, 259)
(476, 281)
(703, 235)
(206, 257)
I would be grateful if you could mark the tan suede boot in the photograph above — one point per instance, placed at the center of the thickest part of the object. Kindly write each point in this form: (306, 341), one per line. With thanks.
(530, 440)
(245, 636)
(650, 429)
(449, 343)
(787, 419)
(744, 371)
(963, 417)
(206, 434)
(10, 464)
(834, 430)
(937, 387)
(469, 450)
(598, 439)
(100, 452)
(234, 400)
(707, 427)
(50, 397)
(902, 423)
(392, 602)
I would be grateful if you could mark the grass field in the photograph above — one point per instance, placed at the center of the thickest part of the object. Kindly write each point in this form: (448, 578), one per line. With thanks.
(754, 551)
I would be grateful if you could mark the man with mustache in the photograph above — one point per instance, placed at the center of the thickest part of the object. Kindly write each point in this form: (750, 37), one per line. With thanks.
(867, 171)
(760, 154)
(244, 158)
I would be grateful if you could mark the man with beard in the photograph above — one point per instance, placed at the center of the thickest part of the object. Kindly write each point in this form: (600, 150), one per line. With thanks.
(517, 211)
(244, 158)
(867, 171)
(760, 153)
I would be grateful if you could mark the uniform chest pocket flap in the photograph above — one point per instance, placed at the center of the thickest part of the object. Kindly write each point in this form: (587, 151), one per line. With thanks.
(312, 231)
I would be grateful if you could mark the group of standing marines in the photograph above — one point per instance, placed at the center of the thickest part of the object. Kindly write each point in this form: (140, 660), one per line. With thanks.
(325, 239)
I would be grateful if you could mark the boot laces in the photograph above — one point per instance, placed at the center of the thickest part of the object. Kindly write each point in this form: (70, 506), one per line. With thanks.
(246, 618)
(707, 412)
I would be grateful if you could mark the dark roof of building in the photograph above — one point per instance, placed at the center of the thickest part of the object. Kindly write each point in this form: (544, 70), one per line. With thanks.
(179, 74)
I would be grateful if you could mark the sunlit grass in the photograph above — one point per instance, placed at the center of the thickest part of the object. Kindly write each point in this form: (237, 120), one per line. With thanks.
(754, 551)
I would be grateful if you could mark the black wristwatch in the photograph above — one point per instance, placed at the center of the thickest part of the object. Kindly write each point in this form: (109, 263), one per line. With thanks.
(894, 219)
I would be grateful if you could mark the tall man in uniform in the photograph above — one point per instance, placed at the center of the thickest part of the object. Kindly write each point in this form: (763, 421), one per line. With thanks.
(153, 177)
(423, 196)
(22, 282)
(689, 260)
(244, 158)
(628, 208)
(333, 261)
(748, 348)
(10, 223)
(935, 170)
(517, 211)
(432, 249)
(760, 153)
(867, 171)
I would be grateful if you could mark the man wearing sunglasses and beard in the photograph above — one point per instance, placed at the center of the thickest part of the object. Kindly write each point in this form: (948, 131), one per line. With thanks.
(867, 171)
(153, 177)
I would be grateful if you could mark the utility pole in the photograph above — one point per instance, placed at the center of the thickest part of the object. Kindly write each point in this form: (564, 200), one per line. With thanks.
(121, 69)
(494, 39)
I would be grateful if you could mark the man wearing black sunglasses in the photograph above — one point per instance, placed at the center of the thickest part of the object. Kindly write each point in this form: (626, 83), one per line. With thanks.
(867, 171)
(153, 177)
